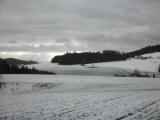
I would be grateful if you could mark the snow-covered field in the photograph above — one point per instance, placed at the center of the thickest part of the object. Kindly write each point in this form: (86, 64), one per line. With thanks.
(68, 97)
(106, 68)
(83, 92)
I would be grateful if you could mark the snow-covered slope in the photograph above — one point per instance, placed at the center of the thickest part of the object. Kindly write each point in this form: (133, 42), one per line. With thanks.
(155, 55)
(150, 65)
(106, 68)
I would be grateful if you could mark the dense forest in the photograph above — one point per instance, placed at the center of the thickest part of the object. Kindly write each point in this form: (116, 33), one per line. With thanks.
(88, 57)
(104, 56)
(6, 68)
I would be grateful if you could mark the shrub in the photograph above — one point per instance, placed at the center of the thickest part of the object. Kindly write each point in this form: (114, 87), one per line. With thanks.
(137, 73)
(120, 75)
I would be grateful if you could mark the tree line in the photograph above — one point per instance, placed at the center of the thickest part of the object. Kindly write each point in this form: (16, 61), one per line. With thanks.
(6, 68)
(87, 57)
(103, 56)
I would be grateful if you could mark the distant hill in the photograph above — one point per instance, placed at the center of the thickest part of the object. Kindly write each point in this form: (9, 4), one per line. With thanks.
(145, 50)
(6, 68)
(104, 56)
(15, 61)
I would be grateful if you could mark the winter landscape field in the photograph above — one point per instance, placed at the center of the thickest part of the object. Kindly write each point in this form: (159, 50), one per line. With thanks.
(83, 93)
(79, 60)
(68, 97)
(149, 66)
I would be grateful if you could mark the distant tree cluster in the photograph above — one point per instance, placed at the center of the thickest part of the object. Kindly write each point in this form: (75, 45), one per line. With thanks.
(87, 57)
(145, 50)
(6, 68)
(104, 56)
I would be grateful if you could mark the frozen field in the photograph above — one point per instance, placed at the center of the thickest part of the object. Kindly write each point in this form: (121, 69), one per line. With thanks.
(66, 97)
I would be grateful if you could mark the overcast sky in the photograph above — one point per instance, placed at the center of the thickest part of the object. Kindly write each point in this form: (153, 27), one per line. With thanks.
(40, 29)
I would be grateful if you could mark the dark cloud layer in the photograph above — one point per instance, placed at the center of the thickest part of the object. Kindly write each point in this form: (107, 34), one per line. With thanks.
(46, 26)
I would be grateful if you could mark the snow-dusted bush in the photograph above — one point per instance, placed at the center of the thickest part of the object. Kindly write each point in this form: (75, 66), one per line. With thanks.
(137, 73)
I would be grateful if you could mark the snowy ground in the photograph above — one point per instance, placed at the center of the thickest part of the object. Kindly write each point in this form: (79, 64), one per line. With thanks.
(68, 97)
(106, 68)
(83, 93)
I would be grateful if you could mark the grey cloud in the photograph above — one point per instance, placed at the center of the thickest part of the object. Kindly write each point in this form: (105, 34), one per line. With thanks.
(78, 25)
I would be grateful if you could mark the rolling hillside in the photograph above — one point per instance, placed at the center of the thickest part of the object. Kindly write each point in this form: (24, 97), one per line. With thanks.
(15, 61)
(150, 66)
